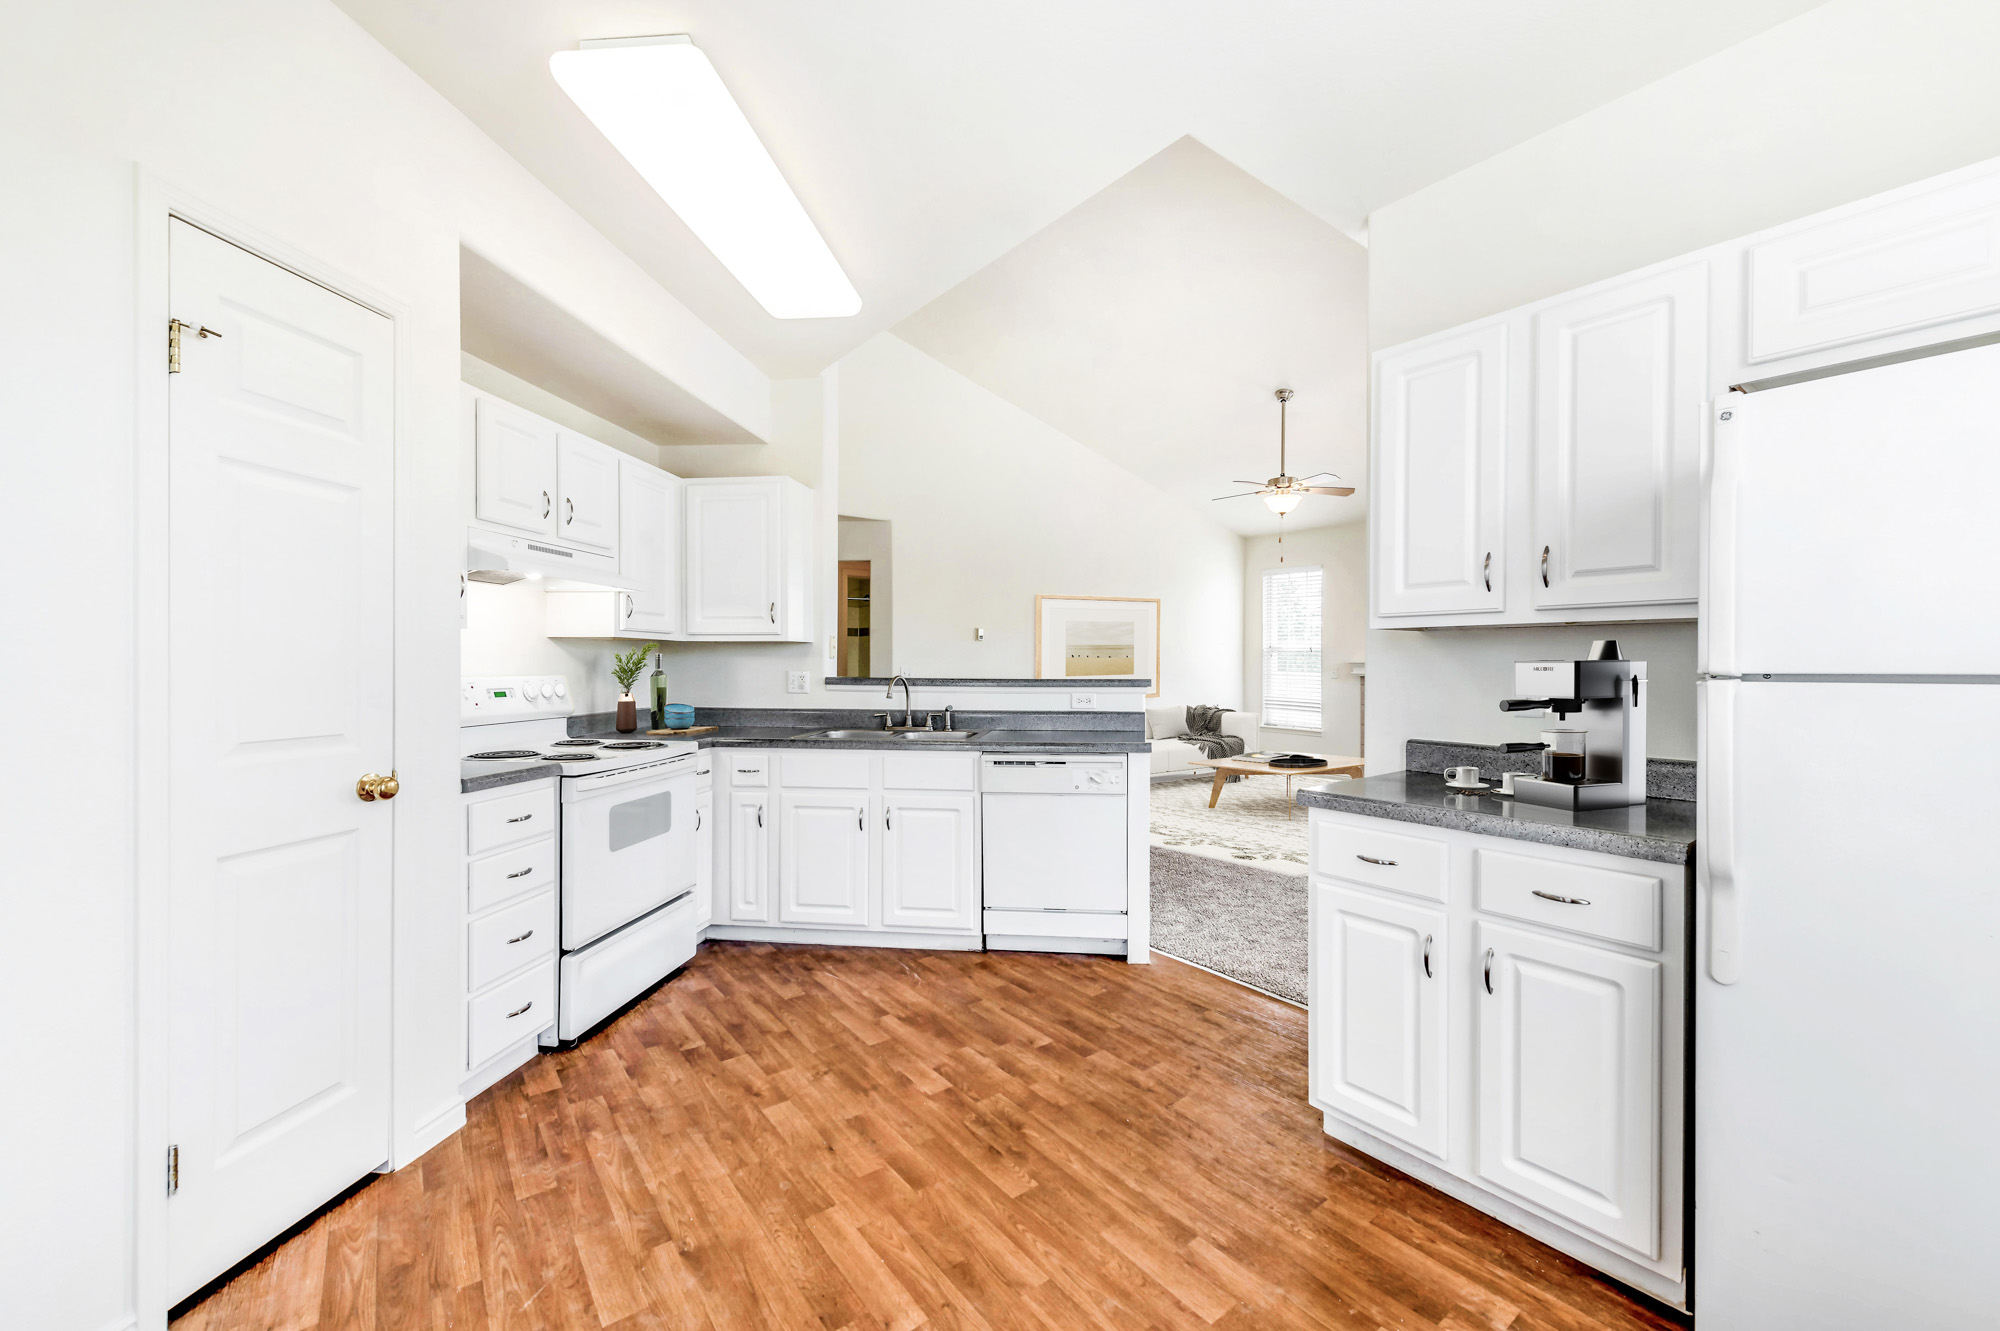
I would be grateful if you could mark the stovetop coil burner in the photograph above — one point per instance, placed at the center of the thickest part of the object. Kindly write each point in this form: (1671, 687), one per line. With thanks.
(576, 744)
(637, 744)
(495, 755)
(574, 757)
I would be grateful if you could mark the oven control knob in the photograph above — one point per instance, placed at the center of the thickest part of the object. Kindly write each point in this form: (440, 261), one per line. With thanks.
(562, 689)
(548, 689)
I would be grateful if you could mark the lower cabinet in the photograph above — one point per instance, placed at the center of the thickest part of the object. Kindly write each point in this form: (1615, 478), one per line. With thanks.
(823, 858)
(704, 854)
(930, 861)
(749, 857)
(509, 926)
(1378, 1013)
(1569, 1081)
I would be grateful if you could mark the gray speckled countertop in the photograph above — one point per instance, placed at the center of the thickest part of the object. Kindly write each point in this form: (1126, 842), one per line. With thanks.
(1661, 830)
(485, 776)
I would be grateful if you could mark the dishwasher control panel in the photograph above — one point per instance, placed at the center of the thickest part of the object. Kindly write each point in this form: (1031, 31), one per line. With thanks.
(1053, 776)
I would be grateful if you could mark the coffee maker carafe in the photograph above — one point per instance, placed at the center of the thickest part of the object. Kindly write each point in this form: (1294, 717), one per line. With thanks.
(1599, 763)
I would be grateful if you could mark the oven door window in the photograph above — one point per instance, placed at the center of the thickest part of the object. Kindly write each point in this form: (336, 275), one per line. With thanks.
(641, 819)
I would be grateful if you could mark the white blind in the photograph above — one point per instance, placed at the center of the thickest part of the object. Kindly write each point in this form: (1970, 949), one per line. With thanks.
(1292, 648)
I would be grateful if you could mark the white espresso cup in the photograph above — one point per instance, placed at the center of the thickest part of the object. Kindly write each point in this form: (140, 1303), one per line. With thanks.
(1461, 776)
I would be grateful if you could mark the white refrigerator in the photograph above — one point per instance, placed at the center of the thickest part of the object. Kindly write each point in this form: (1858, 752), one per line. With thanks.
(1847, 1005)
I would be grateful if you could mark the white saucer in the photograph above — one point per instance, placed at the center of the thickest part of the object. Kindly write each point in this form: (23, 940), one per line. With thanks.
(1467, 790)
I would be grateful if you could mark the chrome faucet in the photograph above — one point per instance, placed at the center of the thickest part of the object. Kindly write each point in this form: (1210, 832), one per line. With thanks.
(890, 693)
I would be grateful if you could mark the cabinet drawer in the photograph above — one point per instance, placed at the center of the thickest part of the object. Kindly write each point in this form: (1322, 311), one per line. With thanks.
(1577, 898)
(508, 939)
(508, 874)
(930, 771)
(846, 769)
(1415, 865)
(747, 769)
(510, 1012)
(490, 824)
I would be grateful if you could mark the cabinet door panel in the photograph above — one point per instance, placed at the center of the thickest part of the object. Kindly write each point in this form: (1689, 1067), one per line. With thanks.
(588, 513)
(1378, 1014)
(649, 508)
(823, 858)
(930, 862)
(734, 558)
(1440, 475)
(749, 858)
(514, 467)
(1569, 1069)
(704, 858)
(1618, 420)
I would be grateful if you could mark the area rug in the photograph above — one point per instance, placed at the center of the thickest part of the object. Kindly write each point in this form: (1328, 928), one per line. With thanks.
(1247, 824)
(1243, 922)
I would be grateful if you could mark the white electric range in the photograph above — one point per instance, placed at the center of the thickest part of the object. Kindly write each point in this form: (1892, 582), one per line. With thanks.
(627, 838)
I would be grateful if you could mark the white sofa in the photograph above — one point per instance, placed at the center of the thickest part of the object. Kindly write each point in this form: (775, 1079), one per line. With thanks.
(1171, 757)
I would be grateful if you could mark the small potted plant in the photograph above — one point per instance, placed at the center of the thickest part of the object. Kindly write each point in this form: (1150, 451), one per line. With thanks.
(625, 667)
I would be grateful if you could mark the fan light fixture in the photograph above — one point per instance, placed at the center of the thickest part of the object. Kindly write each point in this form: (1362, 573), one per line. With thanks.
(1282, 493)
(661, 103)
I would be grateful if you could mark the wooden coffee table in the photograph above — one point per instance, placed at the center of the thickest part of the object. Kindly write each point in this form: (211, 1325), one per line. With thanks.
(1331, 765)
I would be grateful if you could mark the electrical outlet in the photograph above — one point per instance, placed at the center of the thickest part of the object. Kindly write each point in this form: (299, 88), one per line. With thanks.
(795, 681)
(979, 635)
(1083, 702)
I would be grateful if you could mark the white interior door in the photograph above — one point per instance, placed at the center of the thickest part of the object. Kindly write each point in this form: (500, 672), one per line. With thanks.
(734, 558)
(588, 471)
(1379, 1005)
(1851, 524)
(1619, 400)
(930, 861)
(514, 467)
(823, 858)
(1440, 475)
(281, 671)
(1569, 1081)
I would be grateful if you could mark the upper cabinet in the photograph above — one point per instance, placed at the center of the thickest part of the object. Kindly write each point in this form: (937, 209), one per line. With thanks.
(514, 466)
(749, 552)
(1440, 479)
(649, 549)
(587, 474)
(1619, 398)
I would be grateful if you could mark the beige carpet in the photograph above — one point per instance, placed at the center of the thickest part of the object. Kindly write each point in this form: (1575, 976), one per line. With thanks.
(1247, 825)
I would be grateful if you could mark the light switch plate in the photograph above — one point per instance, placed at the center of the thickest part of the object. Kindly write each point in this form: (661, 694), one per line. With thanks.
(795, 681)
(1083, 702)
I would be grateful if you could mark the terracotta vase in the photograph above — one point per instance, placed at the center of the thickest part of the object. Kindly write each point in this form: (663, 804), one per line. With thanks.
(628, 715)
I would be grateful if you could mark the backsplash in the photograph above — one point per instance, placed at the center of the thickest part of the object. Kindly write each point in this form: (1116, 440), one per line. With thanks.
(1666, 778)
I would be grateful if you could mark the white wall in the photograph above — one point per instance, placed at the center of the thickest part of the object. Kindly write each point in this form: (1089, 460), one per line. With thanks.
(286, 116)
(990, 507)
(1341, 555)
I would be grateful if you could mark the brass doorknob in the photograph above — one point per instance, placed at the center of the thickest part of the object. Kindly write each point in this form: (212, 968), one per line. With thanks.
(372, 787)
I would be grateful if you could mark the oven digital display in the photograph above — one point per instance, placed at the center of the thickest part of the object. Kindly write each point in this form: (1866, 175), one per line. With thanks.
(499, 693)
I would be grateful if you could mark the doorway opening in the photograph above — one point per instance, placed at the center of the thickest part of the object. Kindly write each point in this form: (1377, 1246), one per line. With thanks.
(862, 600)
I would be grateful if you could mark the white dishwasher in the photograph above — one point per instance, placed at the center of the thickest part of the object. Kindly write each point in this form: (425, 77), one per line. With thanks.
(1055, 840)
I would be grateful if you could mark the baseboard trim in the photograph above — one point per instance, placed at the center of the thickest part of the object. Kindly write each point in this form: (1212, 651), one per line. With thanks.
(767, 933)
(435, 1129)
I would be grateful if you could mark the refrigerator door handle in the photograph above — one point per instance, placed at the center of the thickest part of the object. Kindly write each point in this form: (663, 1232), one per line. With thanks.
(1718, 594)
(1725, 925)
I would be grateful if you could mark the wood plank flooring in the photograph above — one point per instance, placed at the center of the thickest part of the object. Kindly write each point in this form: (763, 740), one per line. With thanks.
(803, 1137)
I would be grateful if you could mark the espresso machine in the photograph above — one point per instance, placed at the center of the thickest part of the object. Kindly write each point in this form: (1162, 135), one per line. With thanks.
(1598, 762)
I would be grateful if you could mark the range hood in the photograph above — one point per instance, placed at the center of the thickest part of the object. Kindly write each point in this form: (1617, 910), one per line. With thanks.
(492, 556)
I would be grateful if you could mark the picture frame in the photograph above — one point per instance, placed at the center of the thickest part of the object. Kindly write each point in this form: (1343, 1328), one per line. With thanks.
(1086, 638)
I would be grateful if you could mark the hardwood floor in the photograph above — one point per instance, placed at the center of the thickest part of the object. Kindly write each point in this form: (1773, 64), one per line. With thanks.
(801, 1137)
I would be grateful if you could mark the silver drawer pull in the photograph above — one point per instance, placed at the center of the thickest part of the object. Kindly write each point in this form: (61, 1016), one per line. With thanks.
(1427, 956)
(522, 819)
(521, 938)
(1489, 970)
(523, 1008)
(523, 873)
(1370, 859)
(1567, 901)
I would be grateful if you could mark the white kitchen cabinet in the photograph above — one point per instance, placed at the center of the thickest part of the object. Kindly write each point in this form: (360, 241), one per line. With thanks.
(704, 854)
(1440, 474)
(648, 602)
(930, 860)
(748, 558)
(1620, 400)
(509, 933)
(514, 467)
(587, 512)
(749, 868)
(1379, 991)
(1569, 1081)
(823, 859)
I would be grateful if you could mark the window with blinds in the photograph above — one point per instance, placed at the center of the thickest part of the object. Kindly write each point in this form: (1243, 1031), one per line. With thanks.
(1292, 648)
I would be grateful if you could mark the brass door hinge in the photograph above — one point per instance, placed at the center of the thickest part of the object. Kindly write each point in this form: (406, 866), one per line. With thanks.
(174, 330)
(173, 1170)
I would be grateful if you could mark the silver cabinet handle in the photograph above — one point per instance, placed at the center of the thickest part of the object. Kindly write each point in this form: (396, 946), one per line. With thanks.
(521, 938)
(697, 820)
(888, 825)
(628, 606)
(1545, 566)
(1567, 901)
(523, 873)
(1370, 859)
(1427, 956)
(860, 820)
(522, 819)
(523, 1008)
(546, 504)
(760, 815)
(570, 515)
(774, 612)
(1489, 970)
(1486, 570)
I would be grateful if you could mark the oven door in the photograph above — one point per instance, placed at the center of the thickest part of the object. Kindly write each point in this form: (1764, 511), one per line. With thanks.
(627, 845)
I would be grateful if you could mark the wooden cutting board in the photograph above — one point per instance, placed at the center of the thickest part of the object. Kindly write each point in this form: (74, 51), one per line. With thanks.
(691, 730)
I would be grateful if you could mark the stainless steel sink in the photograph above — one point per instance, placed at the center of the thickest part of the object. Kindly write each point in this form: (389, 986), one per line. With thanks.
(888, 734)
(939, 734)
(844, 734)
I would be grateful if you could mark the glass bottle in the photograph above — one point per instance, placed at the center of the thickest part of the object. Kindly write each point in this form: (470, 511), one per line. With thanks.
(659, 691)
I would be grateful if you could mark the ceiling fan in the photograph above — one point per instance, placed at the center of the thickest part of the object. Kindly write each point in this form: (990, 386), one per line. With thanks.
(1281, 493)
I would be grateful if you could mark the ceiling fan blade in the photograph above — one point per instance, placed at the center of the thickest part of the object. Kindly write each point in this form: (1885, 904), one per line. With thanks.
(1247, 494)
(1329, 489)
(1316, 475)
(1259, 484)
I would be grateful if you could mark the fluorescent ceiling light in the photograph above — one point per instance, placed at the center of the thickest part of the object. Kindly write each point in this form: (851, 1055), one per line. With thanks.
(662, 104)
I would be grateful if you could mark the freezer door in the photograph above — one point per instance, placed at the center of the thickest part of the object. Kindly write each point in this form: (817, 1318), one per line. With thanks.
(1851, 524)
(1846, 1160)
